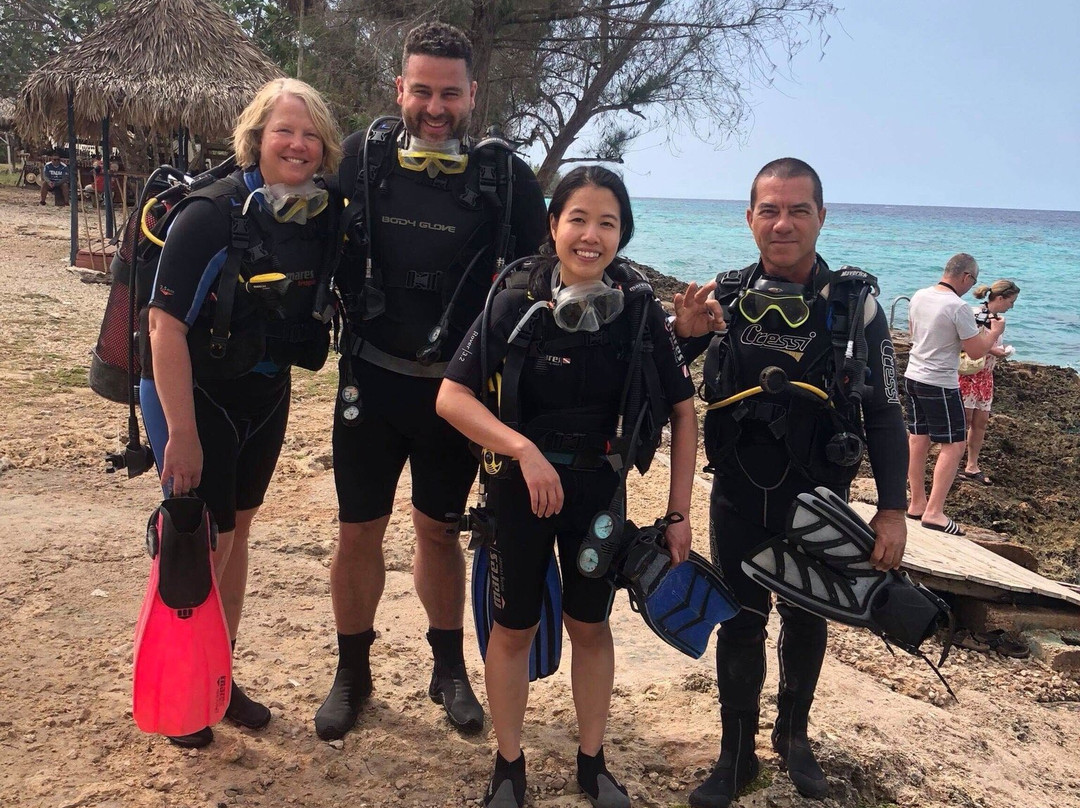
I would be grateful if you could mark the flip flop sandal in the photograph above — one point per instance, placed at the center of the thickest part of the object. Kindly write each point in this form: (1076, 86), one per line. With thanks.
(966, 639)
(975, 477)
(949, 527)
(915, 516)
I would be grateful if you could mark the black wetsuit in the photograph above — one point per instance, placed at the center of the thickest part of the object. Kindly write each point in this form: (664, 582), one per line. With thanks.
(241, 420)
(767, 450)
(425, 232)
(574, 390)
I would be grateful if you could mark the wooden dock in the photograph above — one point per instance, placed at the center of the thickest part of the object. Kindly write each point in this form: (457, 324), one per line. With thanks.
(959, 565)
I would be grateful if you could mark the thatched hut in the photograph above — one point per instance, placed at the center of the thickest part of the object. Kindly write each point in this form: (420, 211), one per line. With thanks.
(158, 65)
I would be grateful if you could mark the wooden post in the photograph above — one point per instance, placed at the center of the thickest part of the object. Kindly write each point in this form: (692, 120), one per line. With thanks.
(106, 157)
(73, 176)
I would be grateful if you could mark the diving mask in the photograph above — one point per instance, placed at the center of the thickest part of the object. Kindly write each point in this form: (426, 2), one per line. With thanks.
(434, 158)
(585, 306)
(766, 295)
(292, 203)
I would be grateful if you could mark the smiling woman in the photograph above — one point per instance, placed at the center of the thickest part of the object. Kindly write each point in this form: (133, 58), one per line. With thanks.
(590, 314)
(226, 322)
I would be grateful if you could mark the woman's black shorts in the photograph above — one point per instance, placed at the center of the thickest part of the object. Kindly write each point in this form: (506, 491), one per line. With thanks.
(524, 542)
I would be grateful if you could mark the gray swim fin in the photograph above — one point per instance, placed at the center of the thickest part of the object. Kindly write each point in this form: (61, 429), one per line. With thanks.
(822, 564)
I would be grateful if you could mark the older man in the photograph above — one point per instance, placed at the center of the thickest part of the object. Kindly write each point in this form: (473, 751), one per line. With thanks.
(765, 448)
(941, 325)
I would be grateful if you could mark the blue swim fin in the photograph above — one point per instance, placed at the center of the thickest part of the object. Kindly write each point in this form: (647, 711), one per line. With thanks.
(822, 564)
(681, 604)
(547, 645)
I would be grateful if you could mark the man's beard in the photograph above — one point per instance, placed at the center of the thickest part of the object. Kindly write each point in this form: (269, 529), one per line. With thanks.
(458, 131)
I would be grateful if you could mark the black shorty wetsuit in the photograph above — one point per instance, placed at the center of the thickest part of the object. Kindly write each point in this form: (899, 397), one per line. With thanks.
(425, 232)
(579, 389)
(241, 421)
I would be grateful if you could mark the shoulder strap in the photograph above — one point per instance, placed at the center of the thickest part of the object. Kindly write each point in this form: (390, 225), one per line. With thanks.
(245, 242)
(849, 288)
(377, 142)
(507, 402)
(495, 163)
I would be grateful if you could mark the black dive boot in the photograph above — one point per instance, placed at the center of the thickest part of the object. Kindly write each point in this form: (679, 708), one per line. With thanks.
(740, 673)
(791, 744)
(507, 786)
(196, 740)
(801, 650)
(598, 784)
(351, 688)
(738, 763)
(450, 682)
(245, 711)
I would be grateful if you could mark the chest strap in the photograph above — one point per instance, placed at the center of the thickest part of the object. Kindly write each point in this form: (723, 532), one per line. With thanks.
(369, 353)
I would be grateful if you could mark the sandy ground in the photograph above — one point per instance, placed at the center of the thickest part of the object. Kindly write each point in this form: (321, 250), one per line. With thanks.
(73, 570)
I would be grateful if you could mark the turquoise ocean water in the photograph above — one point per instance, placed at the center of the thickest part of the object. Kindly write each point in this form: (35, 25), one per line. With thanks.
(906, 248)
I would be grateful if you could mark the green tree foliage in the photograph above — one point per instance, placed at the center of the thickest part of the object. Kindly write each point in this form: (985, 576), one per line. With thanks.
(580, 78)
(33, 31)
(270, 25)
(618, 68)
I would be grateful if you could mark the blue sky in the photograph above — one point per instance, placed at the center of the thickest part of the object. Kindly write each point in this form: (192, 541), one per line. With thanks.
(954, 102)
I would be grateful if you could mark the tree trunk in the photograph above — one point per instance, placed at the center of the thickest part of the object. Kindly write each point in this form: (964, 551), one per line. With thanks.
(614, 59)
(482, 35)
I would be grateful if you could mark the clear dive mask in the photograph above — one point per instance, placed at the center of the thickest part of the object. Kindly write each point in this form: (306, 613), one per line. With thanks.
(292, 203)
(434, 158)
(766, 295)
(585, 306)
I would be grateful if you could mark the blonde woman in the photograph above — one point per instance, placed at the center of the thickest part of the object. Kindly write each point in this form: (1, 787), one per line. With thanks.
(216, 420)
(977, 389)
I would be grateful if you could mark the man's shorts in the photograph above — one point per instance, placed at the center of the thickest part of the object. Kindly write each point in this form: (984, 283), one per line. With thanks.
(399, 423)
(934, 411)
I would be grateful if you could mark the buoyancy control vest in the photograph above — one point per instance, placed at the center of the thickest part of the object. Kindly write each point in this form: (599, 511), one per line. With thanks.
(823, 438)
(428, 254)
(616, 431)
(243, 322)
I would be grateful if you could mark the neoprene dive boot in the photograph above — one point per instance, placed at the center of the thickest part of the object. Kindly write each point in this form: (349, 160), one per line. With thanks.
(450, 682)
(245, 711)
(351, 688)
(507, 786)
(792, 745)
(801, 650)
(598, 784)
(740, 674)
(196, 740)
(738, 763)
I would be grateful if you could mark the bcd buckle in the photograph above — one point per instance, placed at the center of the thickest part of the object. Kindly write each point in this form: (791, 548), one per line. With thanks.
(426, 281)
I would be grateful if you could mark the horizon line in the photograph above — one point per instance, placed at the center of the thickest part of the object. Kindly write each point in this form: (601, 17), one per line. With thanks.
(874, 204)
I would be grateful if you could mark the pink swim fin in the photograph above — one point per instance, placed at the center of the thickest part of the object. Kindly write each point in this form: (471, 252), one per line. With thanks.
(182, 660)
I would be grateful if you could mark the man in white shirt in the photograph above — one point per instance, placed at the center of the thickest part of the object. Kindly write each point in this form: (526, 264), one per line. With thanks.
(941, 325)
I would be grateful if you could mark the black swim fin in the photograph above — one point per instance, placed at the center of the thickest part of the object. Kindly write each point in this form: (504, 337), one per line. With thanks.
(546, 650)
(822, 564)
(681, 604)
